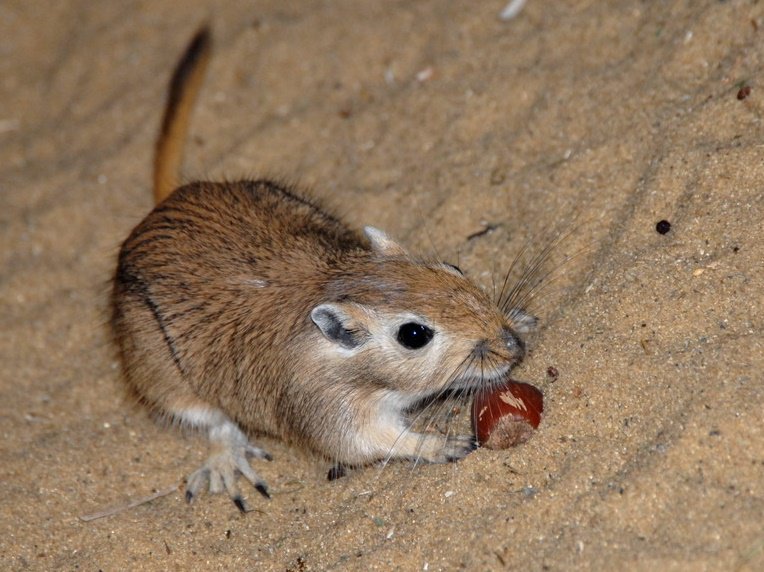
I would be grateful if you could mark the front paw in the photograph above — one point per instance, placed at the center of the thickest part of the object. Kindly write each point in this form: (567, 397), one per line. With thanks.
(448, 450)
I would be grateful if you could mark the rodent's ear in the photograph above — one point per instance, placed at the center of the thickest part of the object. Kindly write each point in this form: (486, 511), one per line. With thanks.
(338, 326)
(382, 243)
(522, 321)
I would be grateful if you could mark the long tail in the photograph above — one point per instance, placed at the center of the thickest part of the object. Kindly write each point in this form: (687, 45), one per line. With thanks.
(184, 86)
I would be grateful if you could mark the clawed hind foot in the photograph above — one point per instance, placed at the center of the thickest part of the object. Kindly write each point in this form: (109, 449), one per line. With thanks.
(229, 458)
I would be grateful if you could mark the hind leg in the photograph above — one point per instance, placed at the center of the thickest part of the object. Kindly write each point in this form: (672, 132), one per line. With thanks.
(154, 374)
(230, 451)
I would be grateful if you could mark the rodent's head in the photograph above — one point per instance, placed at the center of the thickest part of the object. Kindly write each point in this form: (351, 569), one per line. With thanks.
(416, 327)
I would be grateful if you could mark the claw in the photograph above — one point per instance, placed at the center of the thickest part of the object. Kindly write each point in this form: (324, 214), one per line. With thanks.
(239, 502)
(257, 453)
(336, 472)
(263, 490)
(228, 459)
(453, 449)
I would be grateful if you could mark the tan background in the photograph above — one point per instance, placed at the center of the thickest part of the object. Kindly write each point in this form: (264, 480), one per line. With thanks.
(612, 115)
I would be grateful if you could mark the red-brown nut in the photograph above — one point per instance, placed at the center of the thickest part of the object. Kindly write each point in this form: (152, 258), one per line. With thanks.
(507, 415)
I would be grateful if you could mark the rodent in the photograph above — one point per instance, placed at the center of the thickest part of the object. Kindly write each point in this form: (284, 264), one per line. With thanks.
(242, 308)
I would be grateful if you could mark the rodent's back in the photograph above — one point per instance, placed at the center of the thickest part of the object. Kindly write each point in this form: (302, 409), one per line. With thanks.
(226, 225)
(230, 272)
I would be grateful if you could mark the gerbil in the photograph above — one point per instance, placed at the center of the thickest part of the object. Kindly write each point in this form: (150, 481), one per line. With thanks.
(245, 307)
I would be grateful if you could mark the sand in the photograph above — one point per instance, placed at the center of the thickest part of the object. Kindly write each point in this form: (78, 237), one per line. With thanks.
(435, 121)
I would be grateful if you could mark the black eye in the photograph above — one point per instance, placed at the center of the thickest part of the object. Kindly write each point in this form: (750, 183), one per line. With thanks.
(414, 336)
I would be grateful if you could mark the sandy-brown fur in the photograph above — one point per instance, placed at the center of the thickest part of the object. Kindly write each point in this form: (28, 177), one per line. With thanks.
(212, 299)
(213, 313)
(190, 266)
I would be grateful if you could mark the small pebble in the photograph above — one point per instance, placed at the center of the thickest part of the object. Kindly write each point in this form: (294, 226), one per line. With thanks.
(744, 92)
(663, 226)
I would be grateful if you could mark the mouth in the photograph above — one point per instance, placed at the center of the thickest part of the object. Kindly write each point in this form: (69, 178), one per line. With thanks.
(476, 379)
(465, 387)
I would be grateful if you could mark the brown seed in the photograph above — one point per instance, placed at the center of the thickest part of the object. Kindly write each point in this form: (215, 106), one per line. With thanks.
(552, 373)
(744, 92)
(507, 415)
